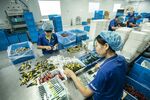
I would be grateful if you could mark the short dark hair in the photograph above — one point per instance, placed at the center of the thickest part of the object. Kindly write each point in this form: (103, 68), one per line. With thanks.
(48, 31)
(100, 40)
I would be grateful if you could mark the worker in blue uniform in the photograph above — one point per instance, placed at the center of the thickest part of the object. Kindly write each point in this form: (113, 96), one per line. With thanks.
(132, 21)
(115, 23)
(110, 78)
(47, 41)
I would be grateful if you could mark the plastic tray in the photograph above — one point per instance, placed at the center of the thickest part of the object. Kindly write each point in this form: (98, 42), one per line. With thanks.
(20, 56)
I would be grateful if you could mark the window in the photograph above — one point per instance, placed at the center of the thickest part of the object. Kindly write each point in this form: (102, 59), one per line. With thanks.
(93, 6)
(49, 7)
(116, 7)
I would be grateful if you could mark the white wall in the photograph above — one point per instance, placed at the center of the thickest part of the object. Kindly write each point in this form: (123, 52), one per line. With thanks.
(3, 4)
(143, 6)
(109, 5)
(73, 8)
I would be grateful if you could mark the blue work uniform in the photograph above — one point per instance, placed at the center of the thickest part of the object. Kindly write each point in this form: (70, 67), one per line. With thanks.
(43, 41)
(109, 80)
(112, 23)
(131, 20)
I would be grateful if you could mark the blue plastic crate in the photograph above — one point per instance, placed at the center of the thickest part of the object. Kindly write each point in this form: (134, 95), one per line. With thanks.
(80, 35)
(52, 16)
(18, 57)
(140, 73)
(28, 16)
(40, 31)
(58, 30)
(34, 36)
(69, 39)
(3, 45)
(30, 23)
(2, 34)
(139, 87)
(87, 28)
(13, 38)
(99, 14)
(139, 21)
(23, 37)
(84, 23)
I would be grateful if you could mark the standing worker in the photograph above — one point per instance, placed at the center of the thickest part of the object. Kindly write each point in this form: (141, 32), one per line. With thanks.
(115, 23)
(47, 41)
(132, 21)
(110, 79)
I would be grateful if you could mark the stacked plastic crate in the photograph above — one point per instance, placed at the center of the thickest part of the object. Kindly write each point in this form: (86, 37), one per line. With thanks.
(57, 22)
(23, 37)
(66, 39)
(80, 35)
(12, 38)
(99, 14)
(33, 33)
(139, 76)
(3, 40)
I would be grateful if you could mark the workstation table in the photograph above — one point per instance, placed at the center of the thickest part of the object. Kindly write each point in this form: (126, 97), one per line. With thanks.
(10, 88)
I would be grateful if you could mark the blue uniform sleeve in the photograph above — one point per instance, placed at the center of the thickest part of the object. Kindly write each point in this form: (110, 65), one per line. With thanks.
(39, 41)
(98, 83)
(55, 37)
(112, 23)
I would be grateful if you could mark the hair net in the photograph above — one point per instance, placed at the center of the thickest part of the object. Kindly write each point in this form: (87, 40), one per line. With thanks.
(120, 19)
(47, 26)
(113, 39)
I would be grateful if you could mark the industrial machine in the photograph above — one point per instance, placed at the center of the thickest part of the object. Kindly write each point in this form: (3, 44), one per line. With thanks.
(14, 13)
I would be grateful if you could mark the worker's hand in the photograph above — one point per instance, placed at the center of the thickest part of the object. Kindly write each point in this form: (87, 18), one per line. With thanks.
(55, 47)
(48, 47)
(69, 73)
(97, 66)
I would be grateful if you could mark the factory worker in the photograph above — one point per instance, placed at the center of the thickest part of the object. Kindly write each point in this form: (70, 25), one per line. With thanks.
(110, 78)
(47, 41)
(115, 23)
(132, 21)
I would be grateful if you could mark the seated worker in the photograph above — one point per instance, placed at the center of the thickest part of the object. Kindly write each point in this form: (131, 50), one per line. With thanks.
(132, 21)
(47, 41)
(110, 78)
(115, 23)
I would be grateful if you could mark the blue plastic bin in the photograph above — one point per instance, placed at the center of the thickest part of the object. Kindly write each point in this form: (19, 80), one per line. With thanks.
(87, 28)
(70, 39)
(140, 73)
(23, 37)
(52, 16)
(18, 57)
(139, 87)
(13, 38)
(80, 35)
(84, 23)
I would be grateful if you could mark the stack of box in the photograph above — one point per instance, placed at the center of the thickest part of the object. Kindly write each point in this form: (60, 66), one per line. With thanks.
(99, 14)
(3, 40)
(139, 76)
(80, 35)
(57, 22)
(12, 38)
(23, 37)
(28, 16)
